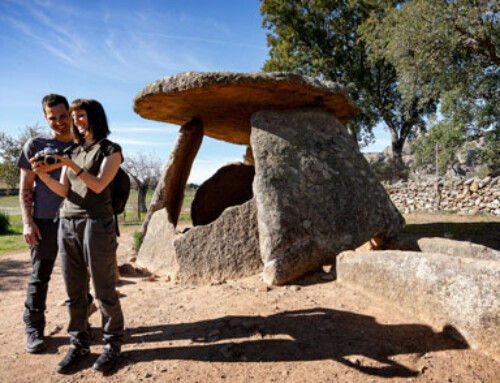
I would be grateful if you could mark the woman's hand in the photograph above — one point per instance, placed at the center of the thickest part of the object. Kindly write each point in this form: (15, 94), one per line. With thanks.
(41, 167)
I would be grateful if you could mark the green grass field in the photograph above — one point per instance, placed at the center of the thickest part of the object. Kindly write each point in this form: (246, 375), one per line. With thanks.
(14, 240)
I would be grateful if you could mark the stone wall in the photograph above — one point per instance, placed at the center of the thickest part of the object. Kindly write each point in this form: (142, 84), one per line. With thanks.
(468, 196)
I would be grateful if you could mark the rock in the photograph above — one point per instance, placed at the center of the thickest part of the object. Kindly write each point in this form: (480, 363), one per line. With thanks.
(316, 194)
(54, 330)
(169, 192)
(457, 248)
(225, 249)
(474, 186)
(224, 101)
(327, 277)
(442, 290)
(231, 185)
(127, 270)
(141, 271)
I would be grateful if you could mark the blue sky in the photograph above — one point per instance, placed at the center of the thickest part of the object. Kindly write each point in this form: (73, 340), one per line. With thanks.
(110, 50)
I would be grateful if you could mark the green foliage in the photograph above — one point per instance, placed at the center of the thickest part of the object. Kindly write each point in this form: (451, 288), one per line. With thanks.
(447, 136)
(321, 38)
(443, 49)
(390, 170)
(138, 238)
(4, 223)
(490, 155)
(10, 148)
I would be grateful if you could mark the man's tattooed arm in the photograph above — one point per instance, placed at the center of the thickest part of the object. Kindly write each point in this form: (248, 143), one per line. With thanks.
(26, 184)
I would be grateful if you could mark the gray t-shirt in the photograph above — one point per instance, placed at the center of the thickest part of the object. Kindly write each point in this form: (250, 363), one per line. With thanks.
(45, 202)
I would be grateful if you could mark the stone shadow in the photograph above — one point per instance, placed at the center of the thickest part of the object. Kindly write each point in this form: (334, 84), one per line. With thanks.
(314, 334)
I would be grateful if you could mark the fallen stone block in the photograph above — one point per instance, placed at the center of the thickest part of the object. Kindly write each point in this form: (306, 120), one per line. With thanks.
(440, 289)
(445, 246)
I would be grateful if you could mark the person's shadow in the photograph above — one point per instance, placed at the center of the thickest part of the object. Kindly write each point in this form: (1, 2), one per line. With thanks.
(302, 335)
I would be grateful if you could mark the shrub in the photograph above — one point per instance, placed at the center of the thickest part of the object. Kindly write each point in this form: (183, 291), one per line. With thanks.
(389, 170)
(4, 223)
(138, 237)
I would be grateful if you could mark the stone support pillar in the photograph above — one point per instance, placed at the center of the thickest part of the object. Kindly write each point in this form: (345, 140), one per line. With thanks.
(169, 193)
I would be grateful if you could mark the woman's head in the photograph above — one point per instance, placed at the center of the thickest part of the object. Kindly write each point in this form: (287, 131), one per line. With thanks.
(88, 118)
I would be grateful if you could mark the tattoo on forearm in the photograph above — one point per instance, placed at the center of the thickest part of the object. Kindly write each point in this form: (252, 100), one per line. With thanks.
(27, 197)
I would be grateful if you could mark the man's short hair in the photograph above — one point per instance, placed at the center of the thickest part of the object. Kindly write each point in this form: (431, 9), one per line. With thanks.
(52, 99)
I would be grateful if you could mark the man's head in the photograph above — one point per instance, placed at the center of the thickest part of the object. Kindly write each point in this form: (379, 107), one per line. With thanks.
(56, 112)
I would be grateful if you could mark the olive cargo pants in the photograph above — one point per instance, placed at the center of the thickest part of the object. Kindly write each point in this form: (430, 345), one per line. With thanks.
(88, 245)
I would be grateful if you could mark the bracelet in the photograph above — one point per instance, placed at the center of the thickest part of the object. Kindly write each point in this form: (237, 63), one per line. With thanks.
(80, 172)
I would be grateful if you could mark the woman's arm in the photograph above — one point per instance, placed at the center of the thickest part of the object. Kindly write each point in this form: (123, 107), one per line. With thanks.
(61, 188)
(97, 184)
(107, 172)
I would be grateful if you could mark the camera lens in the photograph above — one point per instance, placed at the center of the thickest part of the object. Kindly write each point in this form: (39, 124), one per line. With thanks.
(49, 160)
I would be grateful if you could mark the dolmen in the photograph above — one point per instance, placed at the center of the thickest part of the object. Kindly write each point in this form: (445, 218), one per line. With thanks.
(303, 195)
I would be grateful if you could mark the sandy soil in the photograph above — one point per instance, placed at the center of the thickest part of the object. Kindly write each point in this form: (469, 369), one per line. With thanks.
(315, 330)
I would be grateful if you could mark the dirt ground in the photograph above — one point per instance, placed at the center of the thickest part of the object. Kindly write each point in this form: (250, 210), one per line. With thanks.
(315, 330)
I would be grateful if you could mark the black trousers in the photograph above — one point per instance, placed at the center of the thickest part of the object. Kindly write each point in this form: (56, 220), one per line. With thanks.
(43, 257)
(88, 245)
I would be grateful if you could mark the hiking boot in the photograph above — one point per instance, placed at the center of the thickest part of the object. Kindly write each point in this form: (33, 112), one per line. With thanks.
(35, 342)
(107, 359)
(75, 354)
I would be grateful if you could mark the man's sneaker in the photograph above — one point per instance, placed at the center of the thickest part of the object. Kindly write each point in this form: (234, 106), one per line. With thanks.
(107, 359)
(75, 354)
(35, 342)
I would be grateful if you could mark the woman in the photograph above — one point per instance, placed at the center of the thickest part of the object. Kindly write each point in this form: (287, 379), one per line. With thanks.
(87, 237)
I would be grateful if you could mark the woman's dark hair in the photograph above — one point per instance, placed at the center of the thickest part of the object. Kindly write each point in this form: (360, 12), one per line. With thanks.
(53, 99)
(98, 123)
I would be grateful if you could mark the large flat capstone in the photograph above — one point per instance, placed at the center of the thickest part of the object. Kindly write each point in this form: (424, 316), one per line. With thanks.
(225, 101)
(316, 195)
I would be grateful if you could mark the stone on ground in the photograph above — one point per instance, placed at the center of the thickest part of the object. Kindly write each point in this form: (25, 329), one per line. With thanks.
(443, 290)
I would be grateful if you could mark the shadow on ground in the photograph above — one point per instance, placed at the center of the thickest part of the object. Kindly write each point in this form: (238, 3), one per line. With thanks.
(12, 274)
(482, 233)
(304, 335)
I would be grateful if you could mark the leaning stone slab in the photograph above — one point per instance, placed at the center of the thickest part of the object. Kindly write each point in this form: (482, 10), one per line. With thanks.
(169, 192)
(440, 289)
(316, 194)
(225, 249)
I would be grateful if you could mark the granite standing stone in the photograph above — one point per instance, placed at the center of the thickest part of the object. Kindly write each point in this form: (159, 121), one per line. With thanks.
(316, 195)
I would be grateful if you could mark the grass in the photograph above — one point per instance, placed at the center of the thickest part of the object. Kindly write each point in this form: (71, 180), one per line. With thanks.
(14, 240)
(11, 242)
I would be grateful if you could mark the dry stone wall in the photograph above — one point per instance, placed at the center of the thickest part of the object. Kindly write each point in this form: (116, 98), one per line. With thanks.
(472, 196)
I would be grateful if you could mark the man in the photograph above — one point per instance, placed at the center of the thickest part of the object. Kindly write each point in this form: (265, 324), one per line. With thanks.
(39, 207)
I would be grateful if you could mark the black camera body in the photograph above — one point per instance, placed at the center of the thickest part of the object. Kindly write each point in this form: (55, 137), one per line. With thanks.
(47, 156)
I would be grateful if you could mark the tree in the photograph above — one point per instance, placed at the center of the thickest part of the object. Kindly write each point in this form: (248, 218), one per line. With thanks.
(145, 172)
(10, 149)
(438, 46)
(321, 38)
(447, 50)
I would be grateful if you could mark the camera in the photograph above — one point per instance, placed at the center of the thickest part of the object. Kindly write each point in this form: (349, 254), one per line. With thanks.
(47, 156)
